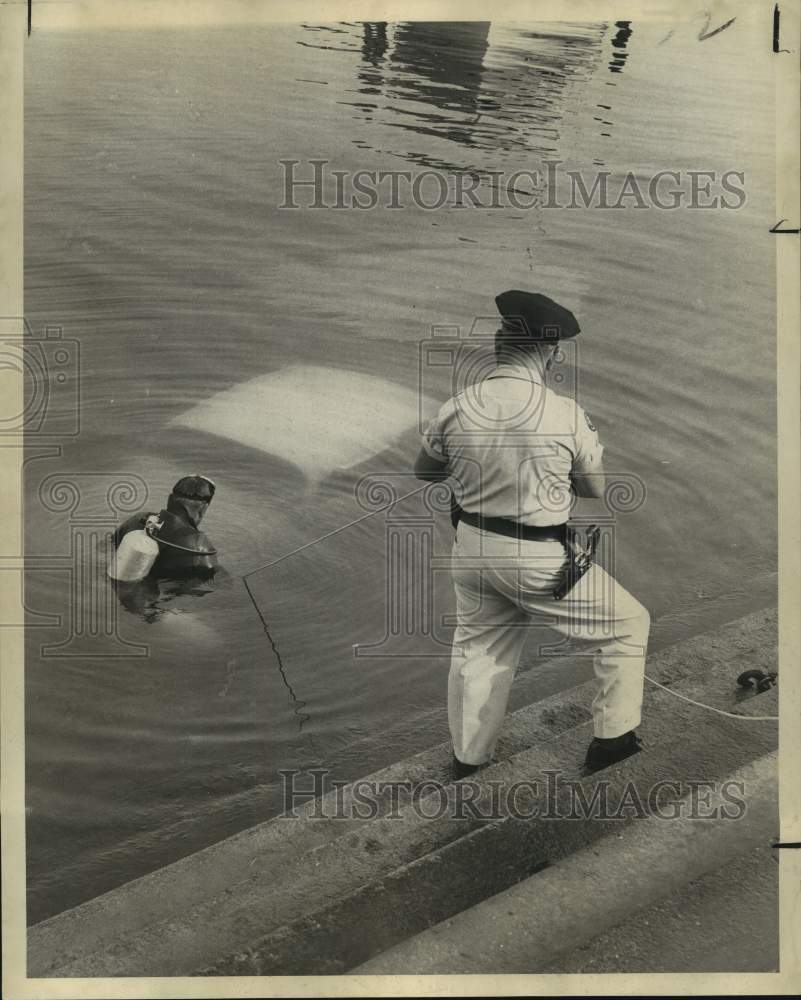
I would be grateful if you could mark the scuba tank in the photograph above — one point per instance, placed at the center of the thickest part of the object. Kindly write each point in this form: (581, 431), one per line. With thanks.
(137, 552)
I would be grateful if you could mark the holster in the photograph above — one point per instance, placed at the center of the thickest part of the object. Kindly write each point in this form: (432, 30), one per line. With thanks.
(580, 556)
(456, 511)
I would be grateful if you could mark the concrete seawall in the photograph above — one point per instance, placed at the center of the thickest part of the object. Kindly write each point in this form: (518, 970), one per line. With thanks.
(327, 895)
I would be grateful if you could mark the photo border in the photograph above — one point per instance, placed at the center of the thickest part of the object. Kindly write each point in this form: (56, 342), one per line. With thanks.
(81, 16)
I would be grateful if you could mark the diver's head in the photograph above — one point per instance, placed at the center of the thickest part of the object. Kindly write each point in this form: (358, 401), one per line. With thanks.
(191, 497)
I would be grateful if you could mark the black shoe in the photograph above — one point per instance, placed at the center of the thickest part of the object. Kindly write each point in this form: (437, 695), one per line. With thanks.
(460, 770)
(603, 753)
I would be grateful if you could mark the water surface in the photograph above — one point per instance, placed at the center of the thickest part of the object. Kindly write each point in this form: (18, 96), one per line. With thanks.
(154, 237)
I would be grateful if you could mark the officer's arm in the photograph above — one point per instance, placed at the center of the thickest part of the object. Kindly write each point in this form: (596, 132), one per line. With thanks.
(587, 474)
(588, 478)
(430, 469)
(589, 484)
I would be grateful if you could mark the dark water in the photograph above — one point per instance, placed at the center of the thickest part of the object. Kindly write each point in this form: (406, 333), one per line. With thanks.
(153, 237)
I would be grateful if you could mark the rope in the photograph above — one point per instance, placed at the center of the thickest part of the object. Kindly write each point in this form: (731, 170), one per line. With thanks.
(183, 548)
(336, 531)
(297, 702)
(718, 711)
(358, 520)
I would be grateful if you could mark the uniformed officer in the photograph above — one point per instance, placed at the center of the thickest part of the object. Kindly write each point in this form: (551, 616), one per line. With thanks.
(517, 454)
(183, 547)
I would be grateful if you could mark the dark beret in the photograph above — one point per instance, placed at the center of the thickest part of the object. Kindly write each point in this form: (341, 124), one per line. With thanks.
(536, 316)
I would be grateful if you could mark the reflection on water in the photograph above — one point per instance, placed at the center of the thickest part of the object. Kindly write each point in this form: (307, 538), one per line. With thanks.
(446, 81)
(619, 42)
(487, 101)
(439, 65)
(374, 46)
(153, 596)
(153, 235)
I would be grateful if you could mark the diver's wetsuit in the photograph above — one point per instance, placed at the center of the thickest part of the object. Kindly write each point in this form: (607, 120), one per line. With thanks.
(183, 547)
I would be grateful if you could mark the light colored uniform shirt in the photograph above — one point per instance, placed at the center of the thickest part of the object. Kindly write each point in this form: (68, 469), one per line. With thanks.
(511, 443)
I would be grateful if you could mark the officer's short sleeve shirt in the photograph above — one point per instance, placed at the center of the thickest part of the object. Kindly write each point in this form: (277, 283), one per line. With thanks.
(512, 447)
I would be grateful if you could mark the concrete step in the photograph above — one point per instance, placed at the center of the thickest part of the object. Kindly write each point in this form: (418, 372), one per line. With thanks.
(491, 856)
(626, 892)
(725, 921)
(230, 895)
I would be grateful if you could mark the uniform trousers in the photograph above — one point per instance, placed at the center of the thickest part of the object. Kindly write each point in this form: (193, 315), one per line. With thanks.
(504, 585)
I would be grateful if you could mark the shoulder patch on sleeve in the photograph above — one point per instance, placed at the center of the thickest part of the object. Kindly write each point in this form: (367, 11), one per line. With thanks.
(590, 424)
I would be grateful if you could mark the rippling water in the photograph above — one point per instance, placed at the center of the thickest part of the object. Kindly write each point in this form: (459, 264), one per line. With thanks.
(154, 238)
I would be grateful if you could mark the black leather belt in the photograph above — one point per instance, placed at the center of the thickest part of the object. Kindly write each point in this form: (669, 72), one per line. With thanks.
(514, 529)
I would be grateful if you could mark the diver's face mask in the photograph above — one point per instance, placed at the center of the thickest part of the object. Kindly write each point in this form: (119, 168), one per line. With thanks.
(186, 502)
(192, 510)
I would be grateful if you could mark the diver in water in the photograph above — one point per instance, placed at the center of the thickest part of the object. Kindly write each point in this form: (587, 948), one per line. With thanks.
(183, 548)
(186, 560)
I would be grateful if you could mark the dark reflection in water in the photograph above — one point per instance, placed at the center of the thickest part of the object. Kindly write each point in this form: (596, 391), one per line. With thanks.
(150, 598)
(620, 42)
(374, 48)
(471, 85)
(440, 63)
(332, 29)
(374, 43)
(530, 94)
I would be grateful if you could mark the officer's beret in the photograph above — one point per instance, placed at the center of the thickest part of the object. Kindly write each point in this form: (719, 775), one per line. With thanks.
(536, 316)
